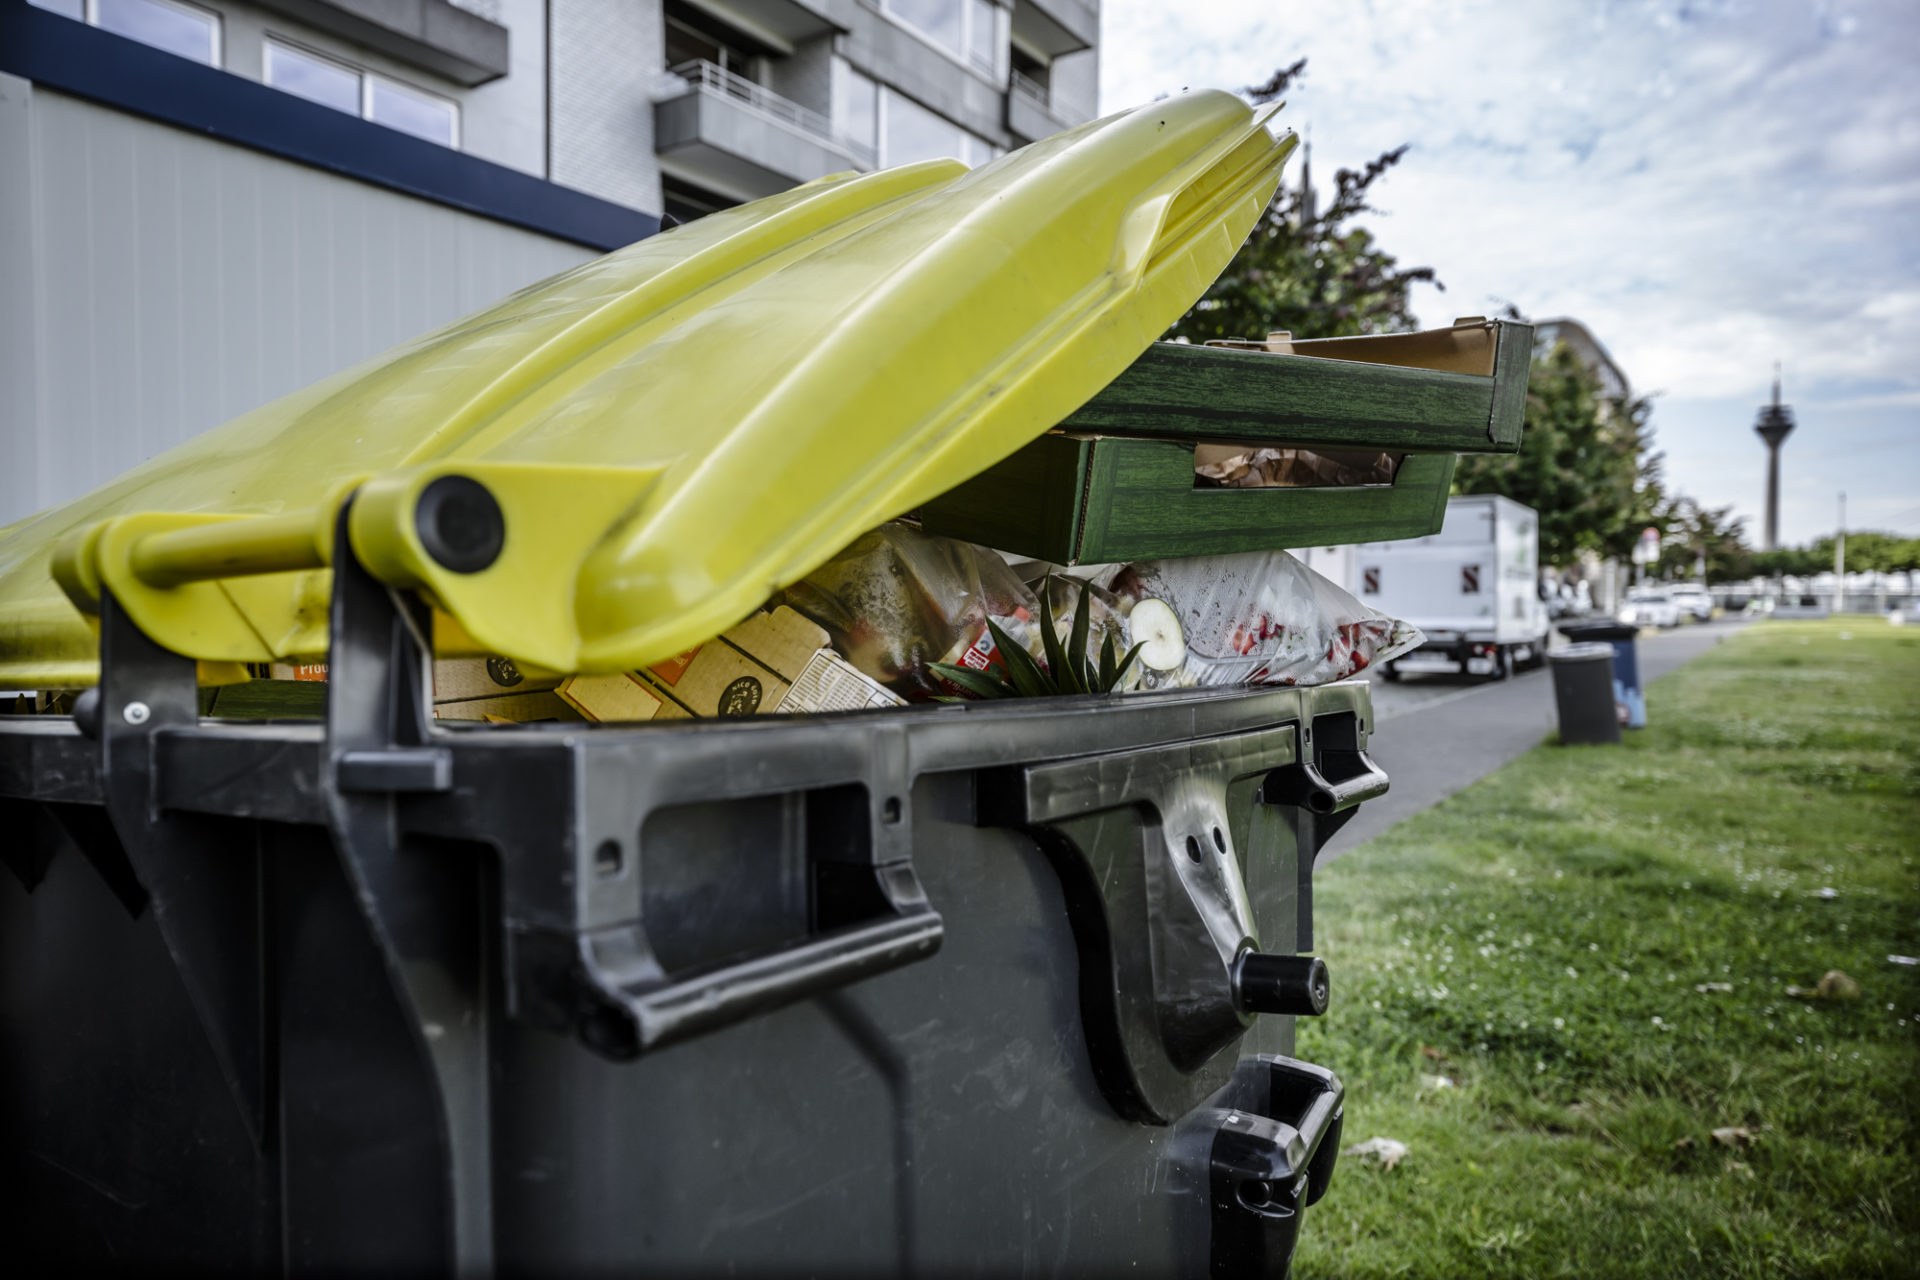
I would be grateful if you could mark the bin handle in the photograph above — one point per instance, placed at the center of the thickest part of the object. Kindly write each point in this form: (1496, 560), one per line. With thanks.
(693, 1006)
(624, 1005)
(1305, 784)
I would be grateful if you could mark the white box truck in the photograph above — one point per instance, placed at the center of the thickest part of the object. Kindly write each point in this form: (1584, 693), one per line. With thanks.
(1473, 588)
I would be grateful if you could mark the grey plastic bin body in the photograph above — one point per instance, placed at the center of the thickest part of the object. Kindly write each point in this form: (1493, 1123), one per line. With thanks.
(929, 990)
(1583, 693)
(1624, 640)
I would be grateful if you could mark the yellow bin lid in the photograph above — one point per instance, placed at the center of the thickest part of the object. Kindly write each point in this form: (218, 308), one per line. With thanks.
(675, 430)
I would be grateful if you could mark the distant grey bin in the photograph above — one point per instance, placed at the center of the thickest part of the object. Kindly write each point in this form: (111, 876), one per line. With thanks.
(1583, 693)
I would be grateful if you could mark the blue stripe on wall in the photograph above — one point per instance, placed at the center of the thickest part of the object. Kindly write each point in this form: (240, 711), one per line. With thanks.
(89, 63)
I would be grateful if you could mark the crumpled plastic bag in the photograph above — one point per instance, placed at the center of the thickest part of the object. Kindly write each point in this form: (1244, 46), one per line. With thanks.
(1259, 617)
(897, 601)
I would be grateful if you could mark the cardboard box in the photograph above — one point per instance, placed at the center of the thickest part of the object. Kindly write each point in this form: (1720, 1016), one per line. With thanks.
(773, 663)
(456, 679)
(297, 671)
(517, 708)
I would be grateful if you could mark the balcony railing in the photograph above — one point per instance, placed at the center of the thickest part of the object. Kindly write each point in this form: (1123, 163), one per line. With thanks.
(1032, 90)
(706, 77)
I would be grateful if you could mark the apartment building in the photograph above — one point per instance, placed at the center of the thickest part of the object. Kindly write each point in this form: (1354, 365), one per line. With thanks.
(207, 204)
(677, 106)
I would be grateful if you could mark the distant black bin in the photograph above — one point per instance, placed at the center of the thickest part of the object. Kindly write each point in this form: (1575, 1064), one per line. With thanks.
(1626, 663)
(1583, 693)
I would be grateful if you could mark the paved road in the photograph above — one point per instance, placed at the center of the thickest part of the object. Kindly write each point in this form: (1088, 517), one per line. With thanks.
(1436, 734)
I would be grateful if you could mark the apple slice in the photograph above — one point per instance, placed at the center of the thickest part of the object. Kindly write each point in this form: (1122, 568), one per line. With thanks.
(1155, 627)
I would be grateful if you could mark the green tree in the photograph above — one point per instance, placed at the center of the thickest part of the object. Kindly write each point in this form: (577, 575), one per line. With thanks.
(1692, 533)
(1306, 269)
(1867, 551)
(1798, 562)
(1583, 464)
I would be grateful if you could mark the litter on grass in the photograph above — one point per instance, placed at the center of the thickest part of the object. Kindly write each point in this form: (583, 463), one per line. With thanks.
(1735, 1136)
(1833, 985)
(1705, 988)
(1386, 1152)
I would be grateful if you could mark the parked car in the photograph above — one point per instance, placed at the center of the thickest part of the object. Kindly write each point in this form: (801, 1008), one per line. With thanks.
(1693, 599)
(1650, 607)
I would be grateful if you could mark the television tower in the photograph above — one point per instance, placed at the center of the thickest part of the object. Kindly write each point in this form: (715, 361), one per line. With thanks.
(1774, 425)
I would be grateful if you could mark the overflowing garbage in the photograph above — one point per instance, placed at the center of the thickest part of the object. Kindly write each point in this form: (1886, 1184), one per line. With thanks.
(906, 608)
(903, 616)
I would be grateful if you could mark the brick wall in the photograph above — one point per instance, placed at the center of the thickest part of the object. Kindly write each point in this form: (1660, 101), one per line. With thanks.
(605, 57)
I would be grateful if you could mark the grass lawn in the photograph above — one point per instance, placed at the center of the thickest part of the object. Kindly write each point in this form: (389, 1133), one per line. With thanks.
(1541, 938)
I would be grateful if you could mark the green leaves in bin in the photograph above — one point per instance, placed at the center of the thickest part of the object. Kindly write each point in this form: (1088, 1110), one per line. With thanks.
(1068, 668)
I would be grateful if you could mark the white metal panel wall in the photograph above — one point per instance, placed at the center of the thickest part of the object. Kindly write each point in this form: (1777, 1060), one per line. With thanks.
(154, 283)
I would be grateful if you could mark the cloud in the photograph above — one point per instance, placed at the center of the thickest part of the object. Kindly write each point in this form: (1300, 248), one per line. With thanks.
(1708, 185)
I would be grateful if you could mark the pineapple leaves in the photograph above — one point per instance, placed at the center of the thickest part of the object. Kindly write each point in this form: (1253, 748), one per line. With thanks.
(1069, 668)
(1030, 680)
(1077, 644)
(977, 683)
(1058, 663)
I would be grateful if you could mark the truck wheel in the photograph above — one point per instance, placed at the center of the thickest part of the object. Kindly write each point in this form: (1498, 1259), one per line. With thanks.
(1391, 673)
(1502, 664)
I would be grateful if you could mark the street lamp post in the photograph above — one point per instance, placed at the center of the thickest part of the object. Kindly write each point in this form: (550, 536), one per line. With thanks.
(1840, 558)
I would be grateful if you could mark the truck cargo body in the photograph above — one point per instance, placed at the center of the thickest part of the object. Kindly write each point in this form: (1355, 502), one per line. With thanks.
(1473, 588)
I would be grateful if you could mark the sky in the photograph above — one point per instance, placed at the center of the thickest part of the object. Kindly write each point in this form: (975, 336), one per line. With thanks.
(1709, 186)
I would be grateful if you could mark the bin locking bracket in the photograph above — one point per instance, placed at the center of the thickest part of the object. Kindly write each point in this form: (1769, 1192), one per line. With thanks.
(379, 756)
(1154, 874)
(201, 880)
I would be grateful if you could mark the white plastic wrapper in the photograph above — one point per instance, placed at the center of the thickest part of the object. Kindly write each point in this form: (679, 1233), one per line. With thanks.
(1259, 617)
(897, 601)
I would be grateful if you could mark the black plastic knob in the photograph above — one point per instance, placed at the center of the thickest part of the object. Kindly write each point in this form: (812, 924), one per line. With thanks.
(460, 523)
(1265, 983)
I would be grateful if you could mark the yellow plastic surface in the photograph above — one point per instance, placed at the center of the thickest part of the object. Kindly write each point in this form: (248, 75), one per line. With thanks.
(678, 429)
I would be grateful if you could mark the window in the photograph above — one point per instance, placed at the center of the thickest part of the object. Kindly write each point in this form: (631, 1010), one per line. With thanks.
(361, 93)
(183, 29)
(983, 36)
(944, 20)
(971, 31)
(856, 105)
(316, 79)
(411, 111)
(915, 133)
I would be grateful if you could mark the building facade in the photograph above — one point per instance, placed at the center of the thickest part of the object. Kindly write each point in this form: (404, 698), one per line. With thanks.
(659, 105)
(207, 204)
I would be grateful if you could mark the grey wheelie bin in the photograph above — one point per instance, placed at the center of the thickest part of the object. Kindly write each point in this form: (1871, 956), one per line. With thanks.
(1007, 987)
(884, 992)
(998, 988)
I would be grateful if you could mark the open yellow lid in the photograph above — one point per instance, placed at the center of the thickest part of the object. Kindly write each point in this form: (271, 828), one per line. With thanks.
(668, 434)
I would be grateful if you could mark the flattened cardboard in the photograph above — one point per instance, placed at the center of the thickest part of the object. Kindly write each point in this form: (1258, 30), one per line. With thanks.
(516, 708)
(774, 662)
(612, 699)
(455, 679)
(1465, 346)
